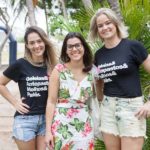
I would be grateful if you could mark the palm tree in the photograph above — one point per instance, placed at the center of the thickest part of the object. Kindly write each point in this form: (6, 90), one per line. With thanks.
(5, 19)
(87, 4)
(31, 13)
(64, 8)
(22, 5)
(114, 5)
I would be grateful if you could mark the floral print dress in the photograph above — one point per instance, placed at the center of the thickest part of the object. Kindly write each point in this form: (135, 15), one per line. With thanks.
(72, 125)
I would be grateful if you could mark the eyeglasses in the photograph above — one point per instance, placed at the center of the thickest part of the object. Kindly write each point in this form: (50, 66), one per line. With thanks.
(70, 47)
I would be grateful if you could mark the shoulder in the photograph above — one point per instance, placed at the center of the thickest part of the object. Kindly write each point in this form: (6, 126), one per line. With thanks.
(14, 70)
(135, 46)
(138, 51)
(20, 62)
(17, 64)
(133, 43)
(55, 74)
(99, 53)
(100, 50)
(59, 67)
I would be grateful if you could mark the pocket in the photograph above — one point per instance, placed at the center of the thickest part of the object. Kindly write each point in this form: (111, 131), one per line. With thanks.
(136, 104)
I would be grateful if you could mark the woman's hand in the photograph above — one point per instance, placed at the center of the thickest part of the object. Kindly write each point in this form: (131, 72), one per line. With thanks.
(144, 111)
(49, 140)
(21, 107)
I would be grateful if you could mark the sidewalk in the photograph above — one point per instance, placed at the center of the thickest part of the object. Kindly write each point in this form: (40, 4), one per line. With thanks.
(6, 118)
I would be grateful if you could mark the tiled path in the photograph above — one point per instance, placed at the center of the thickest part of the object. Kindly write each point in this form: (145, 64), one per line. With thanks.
(6, 118)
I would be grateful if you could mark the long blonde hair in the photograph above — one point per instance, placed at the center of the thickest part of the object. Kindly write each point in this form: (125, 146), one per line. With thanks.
(121, 28)
(50, 58)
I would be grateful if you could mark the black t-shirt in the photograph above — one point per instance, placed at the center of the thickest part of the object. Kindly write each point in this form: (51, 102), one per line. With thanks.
(119, 68)
(33, 84)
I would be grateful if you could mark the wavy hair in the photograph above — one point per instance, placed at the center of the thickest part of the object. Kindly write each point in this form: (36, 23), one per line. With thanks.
(50, 58)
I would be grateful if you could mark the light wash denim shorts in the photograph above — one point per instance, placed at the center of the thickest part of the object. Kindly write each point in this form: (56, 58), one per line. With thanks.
(118, 117)
(27, 127)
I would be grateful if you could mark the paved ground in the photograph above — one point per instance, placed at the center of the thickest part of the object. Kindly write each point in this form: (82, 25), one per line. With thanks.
(6, 118)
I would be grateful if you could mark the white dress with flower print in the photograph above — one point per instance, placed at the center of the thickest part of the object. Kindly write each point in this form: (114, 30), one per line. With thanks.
(72, 126)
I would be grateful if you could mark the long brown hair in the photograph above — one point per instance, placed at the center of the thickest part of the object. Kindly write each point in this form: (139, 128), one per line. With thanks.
(50, 58)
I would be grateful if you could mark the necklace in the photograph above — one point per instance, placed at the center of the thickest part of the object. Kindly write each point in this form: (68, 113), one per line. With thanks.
(39, 64)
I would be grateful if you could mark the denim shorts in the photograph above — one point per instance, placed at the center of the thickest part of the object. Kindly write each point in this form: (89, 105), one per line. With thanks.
(27, 127)
(118, 117)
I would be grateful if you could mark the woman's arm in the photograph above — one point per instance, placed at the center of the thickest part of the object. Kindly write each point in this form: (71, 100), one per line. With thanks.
(99, 89)
(146, 64)
(50, 108)
(144, 111)
(18, 105)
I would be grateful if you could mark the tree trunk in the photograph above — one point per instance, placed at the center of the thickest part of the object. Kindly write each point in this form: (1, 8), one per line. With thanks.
(9, 29)
(45, 10)
(64, 9)
(87, 4)
(114, 4)
(4, 42)
(31, 14)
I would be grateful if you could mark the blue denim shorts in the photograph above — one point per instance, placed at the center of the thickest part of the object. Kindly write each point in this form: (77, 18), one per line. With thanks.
(118, 116)
(27, 127)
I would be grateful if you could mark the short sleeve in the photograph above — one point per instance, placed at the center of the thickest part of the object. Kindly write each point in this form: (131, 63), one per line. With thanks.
(139, 52)
(13, 72)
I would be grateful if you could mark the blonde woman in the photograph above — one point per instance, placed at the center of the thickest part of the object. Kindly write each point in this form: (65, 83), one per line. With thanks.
(31, 73)
(123, 127)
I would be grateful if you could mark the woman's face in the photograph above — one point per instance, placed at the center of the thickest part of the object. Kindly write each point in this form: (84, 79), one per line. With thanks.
(106, 28)
(36, 45)
(75, 49)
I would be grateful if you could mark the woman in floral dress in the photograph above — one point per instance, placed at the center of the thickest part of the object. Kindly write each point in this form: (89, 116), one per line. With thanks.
(68, 123)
